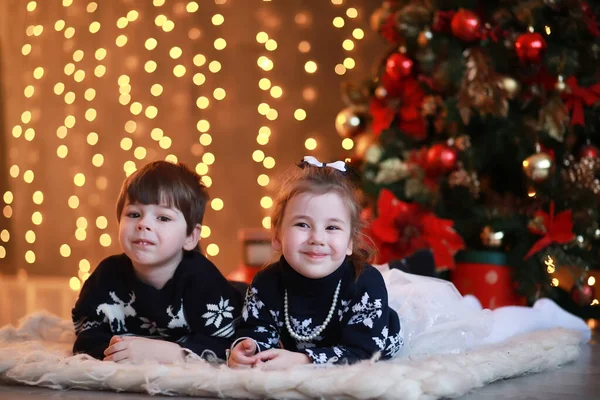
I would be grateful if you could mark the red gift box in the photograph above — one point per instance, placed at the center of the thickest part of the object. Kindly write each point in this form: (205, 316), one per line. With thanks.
(486, 275)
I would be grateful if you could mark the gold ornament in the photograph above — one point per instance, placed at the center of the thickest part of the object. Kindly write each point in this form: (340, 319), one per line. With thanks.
(362, 143)
(381, 92)
(538, 167)
(561, 86)
(510, 85)
(351, 121)
(490, 238)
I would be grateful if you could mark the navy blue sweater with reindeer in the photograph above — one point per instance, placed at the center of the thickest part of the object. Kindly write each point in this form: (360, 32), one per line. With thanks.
(197, 308)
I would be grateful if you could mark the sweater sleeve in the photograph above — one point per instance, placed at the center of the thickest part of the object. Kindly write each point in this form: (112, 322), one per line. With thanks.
(212, 307)
(369, 326)
(259, 321)
(93, 331)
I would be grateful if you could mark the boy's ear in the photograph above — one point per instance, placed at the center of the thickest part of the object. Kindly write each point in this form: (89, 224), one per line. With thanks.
(192, 239)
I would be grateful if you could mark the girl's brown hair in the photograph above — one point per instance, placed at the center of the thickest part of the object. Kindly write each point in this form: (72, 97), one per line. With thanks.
(321, 180)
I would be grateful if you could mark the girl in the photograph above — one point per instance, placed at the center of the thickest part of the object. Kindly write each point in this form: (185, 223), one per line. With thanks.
(321, 300)
(434, 317)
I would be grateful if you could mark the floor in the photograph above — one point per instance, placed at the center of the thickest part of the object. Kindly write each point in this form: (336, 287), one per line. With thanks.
(579, 380)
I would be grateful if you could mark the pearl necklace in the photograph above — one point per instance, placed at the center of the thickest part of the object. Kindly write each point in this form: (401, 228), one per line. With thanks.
(316, 332)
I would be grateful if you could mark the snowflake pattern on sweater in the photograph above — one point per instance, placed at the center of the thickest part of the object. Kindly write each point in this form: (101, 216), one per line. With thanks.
(365, 325)
(197, 308)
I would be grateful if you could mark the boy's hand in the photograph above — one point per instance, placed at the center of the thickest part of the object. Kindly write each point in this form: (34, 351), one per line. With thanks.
(278, 359)
(136, 350)
(242, 355)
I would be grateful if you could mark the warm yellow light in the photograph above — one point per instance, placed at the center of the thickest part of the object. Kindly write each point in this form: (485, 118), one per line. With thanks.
(204, 232)
(310, 67)
(69, 32)
(38, 197)
(28, 176)
(220, 44)
(101, 222)
(219, 93)
(156, 134)
(26, 117)
(310, 144)
(160, 20)
(348, 45)
(74, 284)
(150, 66)
(151, 112)
(269, 162)
(168, 26)
(191, 7)
(156, 89)
(266, 202)
(126, 143)
(17, 131)
(199, 60)
(59, 25)
(199, 79)
(2, 252)
(262, 139)
(217, 19)
(81, 223)
(124, 99)
(175, 52)
(105, 240)
(208, 158)
(132, 15)
(151, 43)
(73, 202)
(122, 22)
(266, 222)
(265, 130)
(276, 92)
(129, 167)
(158, 3)
(26, 49)
(94, 27)
(214, 67)
(165, 142)
(591, 281)
(201, 168)
(121, 40)
(98, 160)
(258, 155)
(92, 138)
(212, 249)
(90, 94)
(30, 236)
(70, 121)
(217, 204)
(37, 31)
(65, 250)
(90, 114)
(263, 180)
(207, 180)
(69, 97)
(263, 108)
(300, 114)
(7, 211)
(135, 108)
(264, 83)
(99, 71)
(62, 151)
(262, 37)
(271, 45)
(31, 6)
(349, 63)
(29, 134)
(130, 126)
(91, 7)
(30, 256)
(69, 68)
(272, 114)
(352, 12)
(80, 234)
(205, 139)
(8, 197)
(202, 102)
(338, 22)
(358, 33)
(203, 126)
(84, 265)
(38, 73)
(347, 144)
(4, 235)
(304, 46)
(59, 88)
(100, 54)
(265, 63)
(37, 218)
(14, 171)
(555, 282)
(139, 153)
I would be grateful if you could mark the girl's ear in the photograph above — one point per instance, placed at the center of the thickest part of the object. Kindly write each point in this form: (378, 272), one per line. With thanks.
(276, 244)
(350, 248)
(192, 239)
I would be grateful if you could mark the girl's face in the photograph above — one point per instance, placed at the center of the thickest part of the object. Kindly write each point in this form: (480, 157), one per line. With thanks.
(315, 233)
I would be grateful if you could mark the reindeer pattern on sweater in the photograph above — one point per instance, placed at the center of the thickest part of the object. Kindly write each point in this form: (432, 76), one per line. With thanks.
(197, 308)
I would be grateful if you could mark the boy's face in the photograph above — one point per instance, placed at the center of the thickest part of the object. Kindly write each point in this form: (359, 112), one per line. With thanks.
(154, 236)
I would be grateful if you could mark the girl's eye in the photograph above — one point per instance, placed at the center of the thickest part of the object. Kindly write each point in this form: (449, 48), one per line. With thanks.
(301, 224)
(164, 219)
(333, 228)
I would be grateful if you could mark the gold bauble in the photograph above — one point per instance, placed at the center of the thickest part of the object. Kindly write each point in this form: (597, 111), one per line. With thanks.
(362, 143)
(352, 121)
(560, 85)
(538, 167)
(511, 86)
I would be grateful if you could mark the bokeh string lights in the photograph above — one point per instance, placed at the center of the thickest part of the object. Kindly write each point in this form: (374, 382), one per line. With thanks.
(97, 90)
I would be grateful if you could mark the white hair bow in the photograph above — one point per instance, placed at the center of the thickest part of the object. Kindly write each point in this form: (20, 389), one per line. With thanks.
(339, 165)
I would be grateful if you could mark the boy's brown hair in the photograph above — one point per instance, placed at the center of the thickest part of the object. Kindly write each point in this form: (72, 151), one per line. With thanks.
(168, 184)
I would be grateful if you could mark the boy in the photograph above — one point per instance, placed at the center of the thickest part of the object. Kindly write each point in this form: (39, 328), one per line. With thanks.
(160, 299)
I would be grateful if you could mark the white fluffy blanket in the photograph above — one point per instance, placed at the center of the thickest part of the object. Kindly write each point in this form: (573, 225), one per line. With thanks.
(38, 353)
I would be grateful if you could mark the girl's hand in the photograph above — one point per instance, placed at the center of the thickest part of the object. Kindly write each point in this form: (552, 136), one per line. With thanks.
(137, 350)
(278, 359)
(242, 355)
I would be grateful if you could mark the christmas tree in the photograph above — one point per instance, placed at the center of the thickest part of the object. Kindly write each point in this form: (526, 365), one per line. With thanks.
(477, 131)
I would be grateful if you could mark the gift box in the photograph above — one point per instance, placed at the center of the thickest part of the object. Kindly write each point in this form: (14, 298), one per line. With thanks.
(487, 276)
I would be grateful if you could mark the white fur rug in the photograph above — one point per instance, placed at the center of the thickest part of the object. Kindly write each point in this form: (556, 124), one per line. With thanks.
(38, 353)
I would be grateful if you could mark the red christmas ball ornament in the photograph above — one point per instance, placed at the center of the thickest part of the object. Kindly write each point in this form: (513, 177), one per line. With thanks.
(398, 66)
(440, 159)
(466, 25)
(530, 47)
(582, 294)
(590, 151)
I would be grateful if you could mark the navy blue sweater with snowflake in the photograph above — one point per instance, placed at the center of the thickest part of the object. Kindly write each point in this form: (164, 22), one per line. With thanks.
(197, 308)
(362, 322)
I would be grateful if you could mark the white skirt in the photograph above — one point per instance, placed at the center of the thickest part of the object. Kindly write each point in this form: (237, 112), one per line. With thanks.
(434, 317)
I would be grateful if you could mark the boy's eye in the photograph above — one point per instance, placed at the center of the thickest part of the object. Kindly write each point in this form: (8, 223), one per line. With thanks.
(133, 215)
(164, 219)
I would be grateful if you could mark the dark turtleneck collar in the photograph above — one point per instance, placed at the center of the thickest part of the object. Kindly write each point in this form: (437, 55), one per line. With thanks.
(297, 283)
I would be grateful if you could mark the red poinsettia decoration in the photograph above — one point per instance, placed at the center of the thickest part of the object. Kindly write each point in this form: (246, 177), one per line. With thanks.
(404, 98)
(554, 228)
(402, 228)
